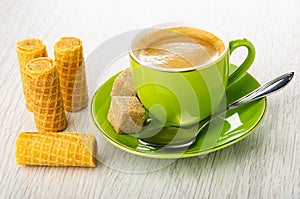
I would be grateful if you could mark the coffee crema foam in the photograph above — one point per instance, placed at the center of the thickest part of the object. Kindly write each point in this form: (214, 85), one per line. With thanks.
(179, 47)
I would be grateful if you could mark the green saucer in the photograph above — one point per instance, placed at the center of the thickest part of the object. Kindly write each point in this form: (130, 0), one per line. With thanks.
(235, 126)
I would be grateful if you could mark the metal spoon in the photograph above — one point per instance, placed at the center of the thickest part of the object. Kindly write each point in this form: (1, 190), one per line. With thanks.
(167, 143)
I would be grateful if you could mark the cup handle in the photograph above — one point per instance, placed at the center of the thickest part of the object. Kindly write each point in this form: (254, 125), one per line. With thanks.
(240, 71)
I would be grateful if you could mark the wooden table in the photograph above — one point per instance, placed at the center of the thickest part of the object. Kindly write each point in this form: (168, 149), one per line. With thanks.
(264, 165)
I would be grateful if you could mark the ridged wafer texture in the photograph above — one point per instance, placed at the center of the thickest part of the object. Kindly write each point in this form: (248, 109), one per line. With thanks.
(27, 50)
(47, 106)
(72, 75)
(56, 149)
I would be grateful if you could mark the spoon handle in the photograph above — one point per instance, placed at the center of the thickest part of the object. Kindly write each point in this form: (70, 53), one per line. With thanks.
(264, 90)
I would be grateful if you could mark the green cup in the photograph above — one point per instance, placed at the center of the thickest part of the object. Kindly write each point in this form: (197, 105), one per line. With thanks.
(184, 96)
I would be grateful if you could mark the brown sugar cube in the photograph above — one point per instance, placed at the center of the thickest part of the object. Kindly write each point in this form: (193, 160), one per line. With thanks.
(126, 114)
(123, 85)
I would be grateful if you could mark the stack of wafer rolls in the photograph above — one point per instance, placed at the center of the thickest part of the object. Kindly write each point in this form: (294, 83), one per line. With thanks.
(43, 80)
(71, 69)
(27, 50)
(47, 103)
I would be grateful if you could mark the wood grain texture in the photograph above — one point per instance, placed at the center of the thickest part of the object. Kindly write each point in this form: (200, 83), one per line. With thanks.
(264, 165)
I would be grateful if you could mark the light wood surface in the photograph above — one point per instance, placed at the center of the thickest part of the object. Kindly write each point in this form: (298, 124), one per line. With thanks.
(264, 165)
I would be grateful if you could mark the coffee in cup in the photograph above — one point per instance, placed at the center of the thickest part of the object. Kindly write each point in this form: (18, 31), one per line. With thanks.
(180, 47)
(181, 73)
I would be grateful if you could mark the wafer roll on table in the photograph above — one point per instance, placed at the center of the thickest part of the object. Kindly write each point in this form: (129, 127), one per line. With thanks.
(27, 50)
(48, 108)
(56, 149)
(71, 68)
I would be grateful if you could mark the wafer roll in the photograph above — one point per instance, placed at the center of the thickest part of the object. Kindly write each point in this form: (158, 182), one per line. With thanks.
(48, 108)
(71, 69)
(27, 50)
(56, 149)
